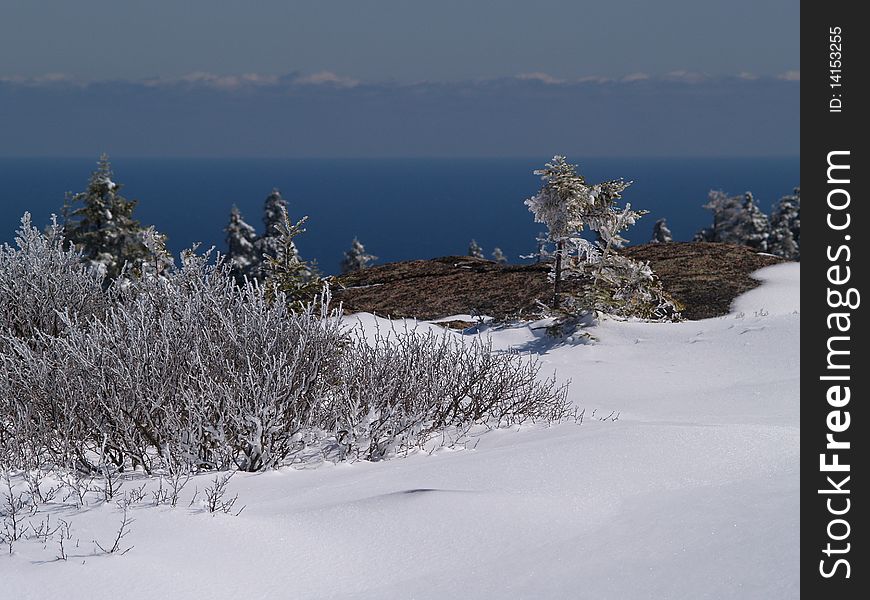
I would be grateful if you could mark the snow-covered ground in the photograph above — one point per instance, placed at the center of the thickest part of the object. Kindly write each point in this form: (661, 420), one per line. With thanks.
(691, 493)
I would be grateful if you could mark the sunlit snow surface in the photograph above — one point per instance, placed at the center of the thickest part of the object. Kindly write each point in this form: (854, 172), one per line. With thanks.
(692, 493)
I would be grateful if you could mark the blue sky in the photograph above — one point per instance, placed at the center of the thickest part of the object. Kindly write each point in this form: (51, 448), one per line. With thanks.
(399, 78)
(403, 40)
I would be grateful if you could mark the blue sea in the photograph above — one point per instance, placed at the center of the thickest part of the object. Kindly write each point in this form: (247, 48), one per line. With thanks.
(399, 208)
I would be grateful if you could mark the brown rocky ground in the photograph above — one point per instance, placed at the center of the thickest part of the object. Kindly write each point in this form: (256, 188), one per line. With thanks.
(703, 277)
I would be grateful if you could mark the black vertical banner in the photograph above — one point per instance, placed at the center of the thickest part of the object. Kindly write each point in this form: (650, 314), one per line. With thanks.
(834, 174)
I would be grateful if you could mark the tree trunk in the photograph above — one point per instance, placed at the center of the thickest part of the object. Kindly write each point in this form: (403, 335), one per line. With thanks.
(559, 247)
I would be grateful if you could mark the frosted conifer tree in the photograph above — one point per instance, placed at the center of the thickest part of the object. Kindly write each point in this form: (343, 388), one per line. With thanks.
(475, 250)
(726, 210)
(567, 206)
(356, 258)
(752, 226)
(736, 220)
(785, 227)
(99, 223)
(242, 247)
(661, 233)
(498, 256)
(613, 283)
(274, 211)
(561, 204)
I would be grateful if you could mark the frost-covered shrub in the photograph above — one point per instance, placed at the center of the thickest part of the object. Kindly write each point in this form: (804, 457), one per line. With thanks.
(190, 365)
(399, 390)
(40, 279)
(192, 370)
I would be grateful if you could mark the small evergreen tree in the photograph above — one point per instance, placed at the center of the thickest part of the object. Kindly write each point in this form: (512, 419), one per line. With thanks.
(242, 247)
(561, 204)
(99, 223)
(724, 209)
(499, 257)
(568, 206)
(661, 233)
(269, 244)
(274, 212)
(785, 227)
(285, 272)
(752, 226)
(613, 283)
(736, 220)
(356, 258)
(475, 250)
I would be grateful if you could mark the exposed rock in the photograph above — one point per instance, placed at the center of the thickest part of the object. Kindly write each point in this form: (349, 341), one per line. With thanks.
(703, 277)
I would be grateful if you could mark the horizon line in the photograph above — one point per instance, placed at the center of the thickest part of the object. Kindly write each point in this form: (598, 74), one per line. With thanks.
(413, 157)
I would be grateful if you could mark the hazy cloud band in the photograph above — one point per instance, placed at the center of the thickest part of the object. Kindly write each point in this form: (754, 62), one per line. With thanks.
(324, 114)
